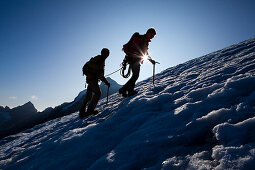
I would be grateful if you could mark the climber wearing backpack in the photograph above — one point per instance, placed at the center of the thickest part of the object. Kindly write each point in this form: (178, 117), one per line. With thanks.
(135, 49)
(94, 71)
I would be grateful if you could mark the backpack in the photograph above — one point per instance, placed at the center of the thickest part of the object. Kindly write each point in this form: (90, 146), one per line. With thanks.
(95, 66)
(132, 43)
(135, 48)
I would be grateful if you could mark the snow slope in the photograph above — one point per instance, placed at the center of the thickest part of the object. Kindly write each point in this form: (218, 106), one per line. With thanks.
(199, 115)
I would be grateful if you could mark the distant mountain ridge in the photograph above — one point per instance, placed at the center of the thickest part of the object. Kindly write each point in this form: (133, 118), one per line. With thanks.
(26, 116)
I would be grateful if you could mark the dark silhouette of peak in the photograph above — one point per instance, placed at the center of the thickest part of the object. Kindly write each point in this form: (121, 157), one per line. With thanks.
(80, 95)
(111, 80)
(113, 83)
(29, 104)
(19, 118)
(113, 88)
(26, 108)
(48, 109)
(4, 109)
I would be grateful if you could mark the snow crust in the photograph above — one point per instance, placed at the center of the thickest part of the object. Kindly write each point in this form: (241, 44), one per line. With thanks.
(199, 115)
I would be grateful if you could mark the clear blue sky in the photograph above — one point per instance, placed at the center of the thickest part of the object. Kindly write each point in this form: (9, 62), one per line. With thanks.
(44, 43)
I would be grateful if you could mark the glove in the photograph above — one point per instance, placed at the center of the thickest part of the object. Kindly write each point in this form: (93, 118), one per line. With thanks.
(153, 61)
(108, 84)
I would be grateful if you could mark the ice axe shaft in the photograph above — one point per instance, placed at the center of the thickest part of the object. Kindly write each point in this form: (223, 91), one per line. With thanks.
(107, 95)
(153, 78)
(153, 73)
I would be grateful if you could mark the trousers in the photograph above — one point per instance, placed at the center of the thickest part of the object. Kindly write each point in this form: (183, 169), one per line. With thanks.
(93, 87)
(130, 85)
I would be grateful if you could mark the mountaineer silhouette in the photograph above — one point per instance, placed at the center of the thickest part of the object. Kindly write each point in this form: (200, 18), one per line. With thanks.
(94, 71)
(136, 51)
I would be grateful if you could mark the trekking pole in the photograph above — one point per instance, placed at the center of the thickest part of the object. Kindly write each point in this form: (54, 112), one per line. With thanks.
(153, 78)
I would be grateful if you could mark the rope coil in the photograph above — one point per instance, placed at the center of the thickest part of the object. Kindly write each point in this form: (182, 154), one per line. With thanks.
(122, 71)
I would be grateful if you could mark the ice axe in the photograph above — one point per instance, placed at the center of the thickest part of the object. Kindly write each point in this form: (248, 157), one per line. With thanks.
(154, 71)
